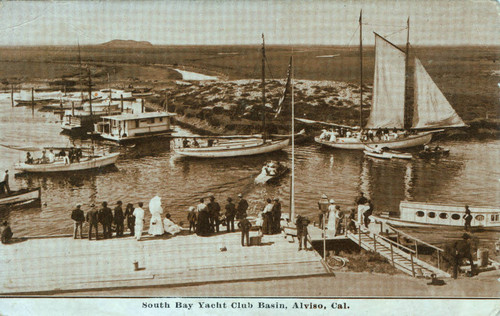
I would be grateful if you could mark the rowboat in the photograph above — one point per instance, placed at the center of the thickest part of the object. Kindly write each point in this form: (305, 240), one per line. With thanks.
(437, 152)
(384, 153)
(86, 163)
(420, 214)
(22, 196)
(245, 147)
(271, 172)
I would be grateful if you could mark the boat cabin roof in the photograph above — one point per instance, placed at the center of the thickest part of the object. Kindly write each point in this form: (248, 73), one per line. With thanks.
(138, 116)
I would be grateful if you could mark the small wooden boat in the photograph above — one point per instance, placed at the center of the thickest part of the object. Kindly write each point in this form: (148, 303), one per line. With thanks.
(19, 197)
(233, 148)
(385, 153)
(419, 214)
(436, 152)
(270, 172)
(89, 162)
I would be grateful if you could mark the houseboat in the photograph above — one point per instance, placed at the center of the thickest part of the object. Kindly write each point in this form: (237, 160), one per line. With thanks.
(420, 214)
(132, 127)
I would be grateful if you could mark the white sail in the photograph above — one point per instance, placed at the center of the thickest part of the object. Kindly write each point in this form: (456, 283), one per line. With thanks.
(431, 109)
(388, 86)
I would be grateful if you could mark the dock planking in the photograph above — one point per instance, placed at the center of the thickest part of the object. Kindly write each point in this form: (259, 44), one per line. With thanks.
(54, 265)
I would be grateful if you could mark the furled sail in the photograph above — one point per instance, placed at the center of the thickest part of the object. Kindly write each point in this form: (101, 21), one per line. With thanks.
(431, 109)
(286, 92)
(388, 86)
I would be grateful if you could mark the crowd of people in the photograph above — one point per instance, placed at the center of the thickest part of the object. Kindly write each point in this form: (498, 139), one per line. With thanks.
(74, 154)
(380, 134)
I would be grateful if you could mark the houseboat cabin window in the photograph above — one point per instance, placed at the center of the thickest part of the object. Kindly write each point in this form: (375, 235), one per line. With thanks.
(152, 120)
(431, 214)
(455, 217)
(161, 119)
(443, 216)
(494, 217)
(479, 217)
(137, 123)
(420, 214)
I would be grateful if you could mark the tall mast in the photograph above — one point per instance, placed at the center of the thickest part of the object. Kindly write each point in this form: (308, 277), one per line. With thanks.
(80, 70)
(292, 202)
(263, 88)
(361, 68)
(407, 109)
(90, 95)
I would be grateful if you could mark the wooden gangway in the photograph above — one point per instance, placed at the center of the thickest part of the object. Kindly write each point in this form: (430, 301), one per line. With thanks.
(401, 257)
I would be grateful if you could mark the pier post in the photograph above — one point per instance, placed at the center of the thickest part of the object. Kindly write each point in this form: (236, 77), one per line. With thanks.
(121, 102)
(142, 105)
(12, 95)
(32, 101)
(359, 234)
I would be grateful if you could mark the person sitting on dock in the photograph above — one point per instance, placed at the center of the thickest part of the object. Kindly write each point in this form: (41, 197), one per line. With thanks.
(78, 217)
(106, 218)
(118, 219)
(171, 227)
(301, 223)
(29, 158)
(93, 219)
(245, 226)
(129, 215)
(6, 233)
(467, 218)
(241, 208)
(230, 214)
(191, 217)
(139, 221)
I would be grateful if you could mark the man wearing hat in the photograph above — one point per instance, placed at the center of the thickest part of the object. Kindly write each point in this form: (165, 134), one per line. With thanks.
(214, 213)
(361, 202)
(241, 209)
(118, 219)
(106, 219)
(462, 249)
(230, 213)
(93, 218)
(323, 210)
(78, 217)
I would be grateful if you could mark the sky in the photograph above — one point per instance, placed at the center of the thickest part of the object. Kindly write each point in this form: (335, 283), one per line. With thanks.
(219, 22)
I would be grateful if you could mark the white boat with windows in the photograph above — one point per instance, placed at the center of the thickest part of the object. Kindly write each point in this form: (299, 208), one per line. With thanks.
(132, 127)
(60, 165)
(420, 214)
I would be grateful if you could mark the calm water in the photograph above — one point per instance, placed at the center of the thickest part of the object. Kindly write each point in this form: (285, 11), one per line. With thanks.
(469, 175)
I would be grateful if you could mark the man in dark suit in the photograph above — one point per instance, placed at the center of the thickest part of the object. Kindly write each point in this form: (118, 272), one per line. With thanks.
(230, 213)
(93, 218)
(301, 224)
(6, 233)
(214, 213)
(276, 214)
(462, 249)
(106, 218)
(78, 217)
(245, 225)
(241, 209)
(118, 219)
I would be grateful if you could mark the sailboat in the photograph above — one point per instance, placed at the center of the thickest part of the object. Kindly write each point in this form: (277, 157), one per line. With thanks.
(389, 116)
(238, 145)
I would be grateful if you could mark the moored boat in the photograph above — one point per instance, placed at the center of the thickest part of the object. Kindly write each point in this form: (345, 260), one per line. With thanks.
(22, 196)
(85, 163)
(233, 148)
(385, 153)
(435, 152)
(420, 214)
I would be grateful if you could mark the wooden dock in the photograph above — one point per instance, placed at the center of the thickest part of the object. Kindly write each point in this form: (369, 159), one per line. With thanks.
(55, 265)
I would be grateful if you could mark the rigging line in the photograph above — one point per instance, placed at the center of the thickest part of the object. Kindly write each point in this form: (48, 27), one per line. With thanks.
(352, 36)
(390, 34)
(268, 68)
(388, 25)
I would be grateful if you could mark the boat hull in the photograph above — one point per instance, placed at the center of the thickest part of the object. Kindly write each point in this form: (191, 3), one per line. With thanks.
(411, 224)
(263, 178)
(20, 197)
(407, 142)
(62, 167)
(233, 151)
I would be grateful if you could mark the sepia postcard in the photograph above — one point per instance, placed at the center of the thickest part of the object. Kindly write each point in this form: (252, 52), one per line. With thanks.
(264, 157)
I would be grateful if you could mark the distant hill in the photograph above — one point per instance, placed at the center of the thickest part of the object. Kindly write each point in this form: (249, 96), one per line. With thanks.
(126, 43)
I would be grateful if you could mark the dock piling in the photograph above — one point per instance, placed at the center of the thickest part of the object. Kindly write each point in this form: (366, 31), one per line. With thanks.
(32, 101)
(12, 95)
(121, 102)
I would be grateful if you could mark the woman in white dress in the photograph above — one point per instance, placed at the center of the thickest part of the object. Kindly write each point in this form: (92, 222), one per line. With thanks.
(170, 226)
(155, 225)
(332, 216)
